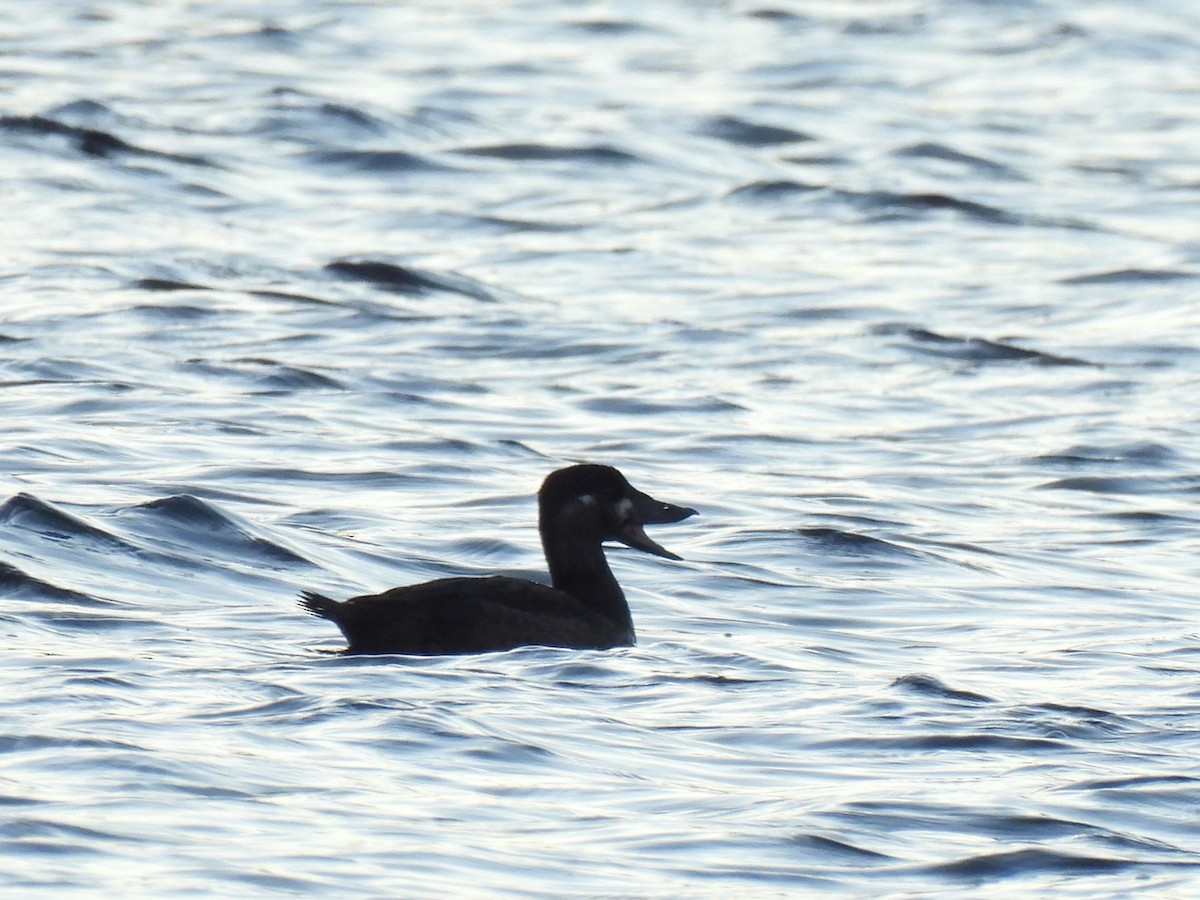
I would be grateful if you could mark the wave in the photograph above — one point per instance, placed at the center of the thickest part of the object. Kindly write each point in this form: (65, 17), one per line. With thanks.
(735, 130)
(943, 153)
(1149, 453)
(852, 543)
(199, 524)
(1129, 276)
(20, 585)
(591, 154)
(886, 206)
(1030, 860)
(91, 141)
(406, 280)
(776, 189)
(932, 687)
(31, 513)
(376, 161)
(1124, 484)
(975, 349)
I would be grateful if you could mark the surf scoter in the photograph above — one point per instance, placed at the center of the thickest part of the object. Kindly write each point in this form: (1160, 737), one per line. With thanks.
(579, 508)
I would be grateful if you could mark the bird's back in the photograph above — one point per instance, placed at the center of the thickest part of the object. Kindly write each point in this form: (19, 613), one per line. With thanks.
(467, 615)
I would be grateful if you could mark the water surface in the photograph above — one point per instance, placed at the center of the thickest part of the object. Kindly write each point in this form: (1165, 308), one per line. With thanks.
(901, 295)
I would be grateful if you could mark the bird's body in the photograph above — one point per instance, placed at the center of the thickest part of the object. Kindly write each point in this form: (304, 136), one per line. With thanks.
(578, 509)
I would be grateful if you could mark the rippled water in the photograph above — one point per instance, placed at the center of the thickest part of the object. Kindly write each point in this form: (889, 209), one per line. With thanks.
(901, 295)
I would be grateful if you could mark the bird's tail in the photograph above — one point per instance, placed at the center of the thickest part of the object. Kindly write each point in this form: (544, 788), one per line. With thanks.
(319, 605)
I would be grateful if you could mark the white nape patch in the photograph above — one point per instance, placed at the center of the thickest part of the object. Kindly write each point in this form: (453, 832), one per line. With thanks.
(587, 499)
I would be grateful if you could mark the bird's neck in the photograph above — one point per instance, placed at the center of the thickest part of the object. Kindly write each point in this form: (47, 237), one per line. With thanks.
(578, 566)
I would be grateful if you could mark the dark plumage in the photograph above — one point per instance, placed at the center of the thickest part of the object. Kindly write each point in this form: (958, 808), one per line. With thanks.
(579, 508)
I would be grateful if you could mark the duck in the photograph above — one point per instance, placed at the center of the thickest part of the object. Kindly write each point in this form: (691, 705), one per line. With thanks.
(580, 507)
